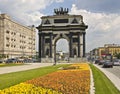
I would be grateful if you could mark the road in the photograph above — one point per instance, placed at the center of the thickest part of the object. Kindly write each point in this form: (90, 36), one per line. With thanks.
(23, 67)
(115, 70)
(112, 73)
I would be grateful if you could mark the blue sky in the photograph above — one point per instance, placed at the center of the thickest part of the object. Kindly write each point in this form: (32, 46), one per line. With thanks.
(107, 6)
(49, 9)
(101, 16)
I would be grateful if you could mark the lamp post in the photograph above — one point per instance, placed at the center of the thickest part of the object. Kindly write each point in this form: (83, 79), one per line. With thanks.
(55, 56)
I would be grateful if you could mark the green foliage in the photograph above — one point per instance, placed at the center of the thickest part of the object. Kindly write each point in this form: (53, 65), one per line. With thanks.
(10, 79)
(117, 55)
(102, 84)
(2, 56)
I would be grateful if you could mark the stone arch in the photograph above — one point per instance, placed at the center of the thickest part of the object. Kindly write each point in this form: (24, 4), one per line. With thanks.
(59, 37)
(60, 26)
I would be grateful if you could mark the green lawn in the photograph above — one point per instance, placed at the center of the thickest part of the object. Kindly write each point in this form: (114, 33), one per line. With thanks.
(10, 79)
(102, 84)
(11, 64)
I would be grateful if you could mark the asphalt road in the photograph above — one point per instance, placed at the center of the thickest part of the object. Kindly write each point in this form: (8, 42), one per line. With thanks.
(115, 70)
(112, 73)
(23, 67)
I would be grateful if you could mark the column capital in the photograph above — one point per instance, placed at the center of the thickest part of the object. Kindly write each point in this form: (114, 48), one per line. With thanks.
(84, 33)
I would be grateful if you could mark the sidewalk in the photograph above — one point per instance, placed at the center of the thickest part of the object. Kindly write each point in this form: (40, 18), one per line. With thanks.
(23, 67)
(114, 79)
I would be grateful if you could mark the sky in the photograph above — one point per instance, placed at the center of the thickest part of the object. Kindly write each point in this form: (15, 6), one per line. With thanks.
(101, 16)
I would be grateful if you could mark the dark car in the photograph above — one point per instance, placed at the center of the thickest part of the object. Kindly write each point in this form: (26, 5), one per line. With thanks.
(108, 64)
(101, 62)
(1, 61)
(26, 60)
(12, 60)
(97, 61)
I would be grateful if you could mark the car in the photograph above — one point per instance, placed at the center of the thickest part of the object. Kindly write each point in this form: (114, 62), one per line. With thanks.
(108, 64)
(97, 61)
(26, 60)
(35, 60)
(11, 60)
(101, 62)
(1, 61)
(116, 62)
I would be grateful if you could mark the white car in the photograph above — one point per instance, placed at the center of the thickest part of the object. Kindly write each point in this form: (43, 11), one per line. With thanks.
(116, 62)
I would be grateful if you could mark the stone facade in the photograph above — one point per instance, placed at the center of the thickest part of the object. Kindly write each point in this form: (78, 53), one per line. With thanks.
(108, 49)
(16, 40)
(61, 25)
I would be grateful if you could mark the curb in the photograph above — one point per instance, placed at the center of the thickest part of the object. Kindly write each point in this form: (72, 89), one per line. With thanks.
(92, 87)
(114, 79)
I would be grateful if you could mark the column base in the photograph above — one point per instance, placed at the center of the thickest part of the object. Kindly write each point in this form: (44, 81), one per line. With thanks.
(71, 60)
(47, 60)
(77, 60)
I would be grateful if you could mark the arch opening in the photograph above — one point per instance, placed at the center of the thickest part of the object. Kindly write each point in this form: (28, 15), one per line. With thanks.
(62, 50)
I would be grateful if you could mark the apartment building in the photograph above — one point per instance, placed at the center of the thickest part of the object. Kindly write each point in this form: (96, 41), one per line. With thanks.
(16, 40)
(108, 49)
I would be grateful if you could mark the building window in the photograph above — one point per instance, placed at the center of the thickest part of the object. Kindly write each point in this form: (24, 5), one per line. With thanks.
(11, 39)
(7, 32)
(11, 32)
(7, 38)
(7, 45)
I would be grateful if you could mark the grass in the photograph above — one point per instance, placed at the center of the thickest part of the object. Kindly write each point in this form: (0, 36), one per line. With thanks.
(10, 79)
(102, 84)
(11, 64)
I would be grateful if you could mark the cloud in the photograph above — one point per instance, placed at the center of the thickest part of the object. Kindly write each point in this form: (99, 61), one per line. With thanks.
(102, 28)
(102, 17)
(59, 1)
(107, 6)
(24, 11)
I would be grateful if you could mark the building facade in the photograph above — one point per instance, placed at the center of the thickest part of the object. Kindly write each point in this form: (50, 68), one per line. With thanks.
(112, 49)
(108, 49)
(62, 25)
(16, 40)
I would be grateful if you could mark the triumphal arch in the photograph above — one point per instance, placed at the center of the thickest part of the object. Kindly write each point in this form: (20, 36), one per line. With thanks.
(61, 25)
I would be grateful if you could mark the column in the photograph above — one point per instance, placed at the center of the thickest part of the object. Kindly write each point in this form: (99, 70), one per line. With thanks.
(39, 55)
(70, 44)
(50, 45)
(78, 44)
(43, 44)
(84, 44)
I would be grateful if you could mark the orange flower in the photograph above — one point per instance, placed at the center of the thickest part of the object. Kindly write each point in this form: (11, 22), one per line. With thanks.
(73, 80)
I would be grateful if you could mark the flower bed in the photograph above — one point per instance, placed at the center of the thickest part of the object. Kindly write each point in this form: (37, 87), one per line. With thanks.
(24, 88)
(72, 80)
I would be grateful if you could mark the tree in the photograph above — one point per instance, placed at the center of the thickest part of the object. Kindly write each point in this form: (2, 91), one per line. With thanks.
(117, 55)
